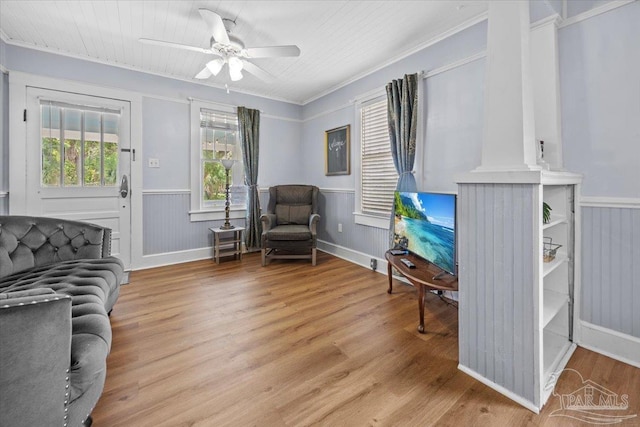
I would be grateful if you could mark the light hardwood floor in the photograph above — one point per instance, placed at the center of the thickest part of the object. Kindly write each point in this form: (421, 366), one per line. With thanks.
(236, 344)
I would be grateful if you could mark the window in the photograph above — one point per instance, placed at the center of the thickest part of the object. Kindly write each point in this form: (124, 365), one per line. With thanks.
(378, 176)
(214, 139)
(219, 141)
(79, 145)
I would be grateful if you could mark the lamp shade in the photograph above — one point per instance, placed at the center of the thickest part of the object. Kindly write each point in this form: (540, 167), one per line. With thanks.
(235, 68)
(215, 65)
(227, 163)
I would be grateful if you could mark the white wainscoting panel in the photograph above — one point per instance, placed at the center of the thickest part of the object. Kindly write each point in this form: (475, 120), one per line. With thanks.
(496, 262)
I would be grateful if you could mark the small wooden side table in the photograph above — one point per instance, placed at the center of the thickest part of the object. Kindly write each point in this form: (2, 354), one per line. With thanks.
(422, 277)
(227, 242)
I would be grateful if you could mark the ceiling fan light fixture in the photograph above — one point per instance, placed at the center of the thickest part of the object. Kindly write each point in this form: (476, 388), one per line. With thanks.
(235, 63)
(215, 65)
(235, 74)
(235, 68)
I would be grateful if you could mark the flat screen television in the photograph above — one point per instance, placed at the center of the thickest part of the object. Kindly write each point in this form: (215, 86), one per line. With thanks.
(425, 225)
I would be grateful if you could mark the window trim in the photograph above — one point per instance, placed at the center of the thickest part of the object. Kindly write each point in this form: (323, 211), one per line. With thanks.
(197, 211)
(359, 216)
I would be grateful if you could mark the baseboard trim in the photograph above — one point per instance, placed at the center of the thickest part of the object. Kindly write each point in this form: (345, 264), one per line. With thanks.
(613, 344)
(171, 258)
(353, 256)
(500, 389)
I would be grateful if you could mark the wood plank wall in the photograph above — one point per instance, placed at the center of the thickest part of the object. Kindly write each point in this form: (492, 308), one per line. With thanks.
(611, 268)
(496, 262)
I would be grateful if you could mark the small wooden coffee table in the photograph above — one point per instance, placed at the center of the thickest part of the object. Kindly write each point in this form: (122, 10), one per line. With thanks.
(422, 277)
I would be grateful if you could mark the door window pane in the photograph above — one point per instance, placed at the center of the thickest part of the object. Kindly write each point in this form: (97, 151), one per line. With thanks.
(89, 153)
(50, 132)
(111, 142)
(92, 154)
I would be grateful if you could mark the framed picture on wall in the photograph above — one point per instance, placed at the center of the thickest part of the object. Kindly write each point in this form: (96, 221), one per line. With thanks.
(337, 151)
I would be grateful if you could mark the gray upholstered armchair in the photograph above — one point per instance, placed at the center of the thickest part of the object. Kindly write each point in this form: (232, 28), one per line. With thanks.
(289, 226)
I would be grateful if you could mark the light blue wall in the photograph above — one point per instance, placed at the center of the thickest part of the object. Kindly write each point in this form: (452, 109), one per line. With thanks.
(454, 123)
(577, 7)
(453, 110)
(280, 152)
(166, 134)
(600, 89)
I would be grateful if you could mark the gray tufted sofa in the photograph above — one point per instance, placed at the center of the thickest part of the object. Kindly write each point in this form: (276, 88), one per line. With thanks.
(57, 286)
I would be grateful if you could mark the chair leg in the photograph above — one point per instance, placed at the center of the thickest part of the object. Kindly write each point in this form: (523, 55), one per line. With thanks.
(264, 257)
(313, 256)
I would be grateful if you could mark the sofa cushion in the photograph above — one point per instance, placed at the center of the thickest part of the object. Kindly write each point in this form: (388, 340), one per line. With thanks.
(293, 214)
(294, 194)
(27, 242)
(289, 232)
(91, 284)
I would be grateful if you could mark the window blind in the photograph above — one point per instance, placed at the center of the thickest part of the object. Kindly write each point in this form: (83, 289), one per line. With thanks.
(379, 176)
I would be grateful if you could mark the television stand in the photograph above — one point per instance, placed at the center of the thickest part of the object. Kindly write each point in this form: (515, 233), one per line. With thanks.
(425, 276)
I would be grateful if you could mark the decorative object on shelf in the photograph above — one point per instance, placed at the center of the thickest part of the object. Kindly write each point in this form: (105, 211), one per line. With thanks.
(549, 249)
(228, 164)
(540, 158)
(546, 213)
(337, 156)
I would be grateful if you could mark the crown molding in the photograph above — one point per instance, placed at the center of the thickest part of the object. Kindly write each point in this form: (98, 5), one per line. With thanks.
(594, 12)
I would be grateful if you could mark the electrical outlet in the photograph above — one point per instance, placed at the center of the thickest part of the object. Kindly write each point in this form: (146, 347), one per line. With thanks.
(154, 163)
(339, 228)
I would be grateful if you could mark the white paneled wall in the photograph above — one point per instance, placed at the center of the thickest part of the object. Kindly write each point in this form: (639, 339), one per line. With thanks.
(611, 268)
(168, 228)
(496, 259)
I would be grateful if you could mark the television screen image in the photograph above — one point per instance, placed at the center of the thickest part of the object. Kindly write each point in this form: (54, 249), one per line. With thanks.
(425, 225)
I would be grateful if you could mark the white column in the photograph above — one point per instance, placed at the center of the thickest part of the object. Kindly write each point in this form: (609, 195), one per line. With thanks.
(509, 129)
(546, 85)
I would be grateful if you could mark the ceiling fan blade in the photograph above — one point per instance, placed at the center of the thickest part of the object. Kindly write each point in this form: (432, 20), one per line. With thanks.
(272, 51)
(215, 25)
(176, 45)
(258, 72)
(204, 74)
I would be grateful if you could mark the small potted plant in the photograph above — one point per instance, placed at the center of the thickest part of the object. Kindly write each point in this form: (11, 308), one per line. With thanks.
(546, 213)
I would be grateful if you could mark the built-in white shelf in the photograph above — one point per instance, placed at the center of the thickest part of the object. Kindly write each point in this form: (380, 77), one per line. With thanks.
(548, 267)
(554, 221)
(557, 348)
(553, 303)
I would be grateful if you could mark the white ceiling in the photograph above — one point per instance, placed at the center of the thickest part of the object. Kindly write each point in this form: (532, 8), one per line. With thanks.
(340, 40)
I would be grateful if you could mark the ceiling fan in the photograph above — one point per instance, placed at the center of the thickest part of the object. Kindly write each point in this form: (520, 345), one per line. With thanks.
(229, 50)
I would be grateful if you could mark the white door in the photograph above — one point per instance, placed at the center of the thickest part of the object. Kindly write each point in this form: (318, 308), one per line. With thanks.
(79, 161)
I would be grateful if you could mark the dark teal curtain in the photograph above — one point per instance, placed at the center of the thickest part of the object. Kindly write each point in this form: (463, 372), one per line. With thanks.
(249, 129)
(402, 113)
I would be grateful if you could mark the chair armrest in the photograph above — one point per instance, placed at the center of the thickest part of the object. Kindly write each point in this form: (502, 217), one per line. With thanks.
(313, 220)
(35, 354)
(268, 221)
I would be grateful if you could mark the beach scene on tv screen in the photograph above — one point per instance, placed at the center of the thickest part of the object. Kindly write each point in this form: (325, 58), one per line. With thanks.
(425, 225)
